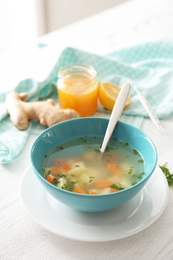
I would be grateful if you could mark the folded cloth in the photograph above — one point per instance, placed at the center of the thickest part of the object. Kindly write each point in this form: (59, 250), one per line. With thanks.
(149, 66)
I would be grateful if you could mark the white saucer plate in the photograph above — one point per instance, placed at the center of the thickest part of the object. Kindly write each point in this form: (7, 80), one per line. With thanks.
(129, 219)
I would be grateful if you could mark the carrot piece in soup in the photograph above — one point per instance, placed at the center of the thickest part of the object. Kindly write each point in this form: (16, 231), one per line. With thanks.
(103, 184)
(118, 171)
(55, 170)
(50, 178)
(79, 190)
(113, 190)
(66, 166)
(92, 192)
(113, 168)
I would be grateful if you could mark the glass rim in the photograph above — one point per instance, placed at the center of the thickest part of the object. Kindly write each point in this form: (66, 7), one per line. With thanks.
(77, 67)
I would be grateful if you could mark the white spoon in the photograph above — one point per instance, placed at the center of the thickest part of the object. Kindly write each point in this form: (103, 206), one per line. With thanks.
(116, 113)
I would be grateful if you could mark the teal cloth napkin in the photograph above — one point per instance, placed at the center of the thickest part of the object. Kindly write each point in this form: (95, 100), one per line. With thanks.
(149, 66)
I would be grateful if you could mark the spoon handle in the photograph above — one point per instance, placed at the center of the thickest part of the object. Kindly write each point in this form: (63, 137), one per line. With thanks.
(149, 110)
(116, 113)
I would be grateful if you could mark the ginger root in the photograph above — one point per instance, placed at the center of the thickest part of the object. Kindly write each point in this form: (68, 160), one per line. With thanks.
(46, 112)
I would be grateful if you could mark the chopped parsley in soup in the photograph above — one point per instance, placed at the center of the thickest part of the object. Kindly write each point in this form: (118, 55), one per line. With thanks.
(77, 167)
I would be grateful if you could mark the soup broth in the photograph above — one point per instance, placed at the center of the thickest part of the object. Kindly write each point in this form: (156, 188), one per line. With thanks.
(77, 167)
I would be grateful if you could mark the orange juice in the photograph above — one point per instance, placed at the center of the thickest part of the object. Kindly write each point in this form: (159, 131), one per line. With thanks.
(78, 89)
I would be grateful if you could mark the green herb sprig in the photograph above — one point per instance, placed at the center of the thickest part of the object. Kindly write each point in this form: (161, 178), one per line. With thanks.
(117, 186)
(169, 176)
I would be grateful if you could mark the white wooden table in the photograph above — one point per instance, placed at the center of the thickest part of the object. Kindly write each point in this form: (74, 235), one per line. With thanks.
(20, 236)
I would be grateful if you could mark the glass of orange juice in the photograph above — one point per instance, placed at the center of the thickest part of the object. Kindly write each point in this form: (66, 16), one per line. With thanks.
(77, 87)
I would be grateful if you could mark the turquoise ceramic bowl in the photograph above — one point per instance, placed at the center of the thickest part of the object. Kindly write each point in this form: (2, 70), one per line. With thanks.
(92, 126)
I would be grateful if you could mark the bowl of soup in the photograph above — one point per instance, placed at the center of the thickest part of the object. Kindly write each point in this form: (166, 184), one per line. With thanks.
(66, 159)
